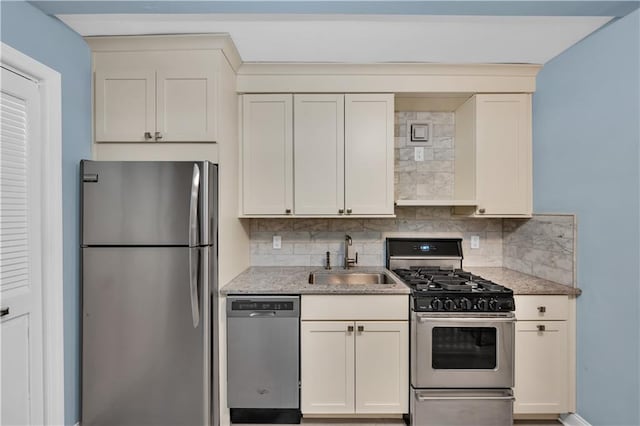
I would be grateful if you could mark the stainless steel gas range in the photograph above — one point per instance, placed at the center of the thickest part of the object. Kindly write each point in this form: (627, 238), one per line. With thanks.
(462, 336)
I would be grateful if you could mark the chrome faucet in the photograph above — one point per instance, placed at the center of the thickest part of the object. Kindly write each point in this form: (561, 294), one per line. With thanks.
(348, 260)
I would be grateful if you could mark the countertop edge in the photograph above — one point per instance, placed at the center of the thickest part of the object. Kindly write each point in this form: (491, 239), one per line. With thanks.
(292, 280)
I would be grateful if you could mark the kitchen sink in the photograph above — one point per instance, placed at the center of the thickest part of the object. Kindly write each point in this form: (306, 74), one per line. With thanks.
(349, 278)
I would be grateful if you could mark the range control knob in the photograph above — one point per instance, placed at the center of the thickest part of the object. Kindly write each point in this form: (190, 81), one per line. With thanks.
(464, 304)
(482, 305)
(493, 305)
(436, 304)
(449, 305)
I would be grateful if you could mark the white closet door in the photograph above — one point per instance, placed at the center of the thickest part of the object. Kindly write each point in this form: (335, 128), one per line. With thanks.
(20, 275)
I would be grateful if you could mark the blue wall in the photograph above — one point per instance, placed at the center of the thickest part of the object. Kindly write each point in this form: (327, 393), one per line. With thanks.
(47, 40)
(586, 138)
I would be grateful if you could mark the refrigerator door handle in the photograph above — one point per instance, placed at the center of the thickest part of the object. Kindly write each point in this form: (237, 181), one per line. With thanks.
(193, 284)
(193, 207)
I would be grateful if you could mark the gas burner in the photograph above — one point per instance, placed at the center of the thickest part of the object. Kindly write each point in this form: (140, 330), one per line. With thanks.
(432, 268)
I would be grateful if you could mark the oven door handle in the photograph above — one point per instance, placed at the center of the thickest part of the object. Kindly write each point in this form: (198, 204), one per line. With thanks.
(425, 318)
(422, 397)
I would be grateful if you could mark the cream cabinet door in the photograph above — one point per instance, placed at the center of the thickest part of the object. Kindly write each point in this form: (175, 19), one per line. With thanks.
(267, 154)
(503, 155)
(541, 367)
(125, 97)
(319, 154)
(369, 154)
(186, 97)
(382, 370)
(327, 367)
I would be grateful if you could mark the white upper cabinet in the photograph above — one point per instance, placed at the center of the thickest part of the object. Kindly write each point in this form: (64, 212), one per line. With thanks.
(319, 154)
(168, 96)
(342, 157)
(494, 154)
(503, 154)
(267, 154)
(125, 100)
(369, 154)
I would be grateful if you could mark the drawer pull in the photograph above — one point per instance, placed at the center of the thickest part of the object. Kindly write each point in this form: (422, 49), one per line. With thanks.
(541, 327)
(542, 309)
(360, 328)
(350, 329)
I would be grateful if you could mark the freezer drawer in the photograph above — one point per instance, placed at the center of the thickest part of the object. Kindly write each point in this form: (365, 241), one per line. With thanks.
(147, 203)
(263, 352)
(462, 407)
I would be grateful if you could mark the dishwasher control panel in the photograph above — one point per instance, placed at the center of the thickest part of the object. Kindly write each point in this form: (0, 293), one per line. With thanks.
(262, 305)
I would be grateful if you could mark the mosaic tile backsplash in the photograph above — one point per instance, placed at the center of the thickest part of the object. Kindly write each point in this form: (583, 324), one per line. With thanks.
(431, 179)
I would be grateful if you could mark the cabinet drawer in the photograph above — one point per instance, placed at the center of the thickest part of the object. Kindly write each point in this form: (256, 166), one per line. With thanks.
(542, 327)
(355, 307)
(542, 308)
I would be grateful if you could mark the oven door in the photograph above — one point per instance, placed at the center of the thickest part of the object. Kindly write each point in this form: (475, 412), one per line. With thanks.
(455, 350)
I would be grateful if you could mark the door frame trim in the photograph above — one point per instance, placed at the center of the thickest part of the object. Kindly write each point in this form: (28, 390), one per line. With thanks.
(49, 86)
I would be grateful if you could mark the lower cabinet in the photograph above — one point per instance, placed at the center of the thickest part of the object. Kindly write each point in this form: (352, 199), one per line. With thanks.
(542, 367)
(354, 355)
(354, 367)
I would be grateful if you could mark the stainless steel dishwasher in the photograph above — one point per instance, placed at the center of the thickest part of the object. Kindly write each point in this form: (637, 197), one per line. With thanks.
(263, 361)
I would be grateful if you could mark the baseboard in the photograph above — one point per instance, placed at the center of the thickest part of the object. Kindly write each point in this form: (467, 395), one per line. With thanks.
(573, 419)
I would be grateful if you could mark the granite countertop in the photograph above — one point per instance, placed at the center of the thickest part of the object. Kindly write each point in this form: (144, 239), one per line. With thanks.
(295, 280)
(523, 284)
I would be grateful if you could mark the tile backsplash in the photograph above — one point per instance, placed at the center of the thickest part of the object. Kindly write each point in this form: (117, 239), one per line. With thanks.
(433, 178)
(306, 241)
(543, 246)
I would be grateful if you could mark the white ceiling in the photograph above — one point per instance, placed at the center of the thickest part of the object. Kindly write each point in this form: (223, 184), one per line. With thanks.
(364, 38)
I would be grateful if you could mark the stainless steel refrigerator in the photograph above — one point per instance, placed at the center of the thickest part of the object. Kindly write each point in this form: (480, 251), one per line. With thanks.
(149, 293)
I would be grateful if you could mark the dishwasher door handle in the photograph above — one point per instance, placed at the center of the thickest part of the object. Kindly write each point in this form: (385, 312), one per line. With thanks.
(262, 314)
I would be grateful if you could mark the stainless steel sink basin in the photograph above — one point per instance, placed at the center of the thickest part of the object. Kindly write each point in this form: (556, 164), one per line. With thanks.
(349, 278)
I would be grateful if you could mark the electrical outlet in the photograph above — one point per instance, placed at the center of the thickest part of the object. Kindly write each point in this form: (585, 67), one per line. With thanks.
(418, 153)
(475, 241)
(277, 242)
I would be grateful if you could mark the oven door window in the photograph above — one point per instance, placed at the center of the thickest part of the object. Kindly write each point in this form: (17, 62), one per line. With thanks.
(464, 348)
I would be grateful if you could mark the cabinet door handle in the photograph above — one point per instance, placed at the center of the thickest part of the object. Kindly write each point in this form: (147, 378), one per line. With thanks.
(360, 328)
(340, 211)
(542, 309)
(350, 329)
(541, 327)
(349, 211)
(481, 211)
(4, 312)
(288, 211)
(158, 136)
(147, 136)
